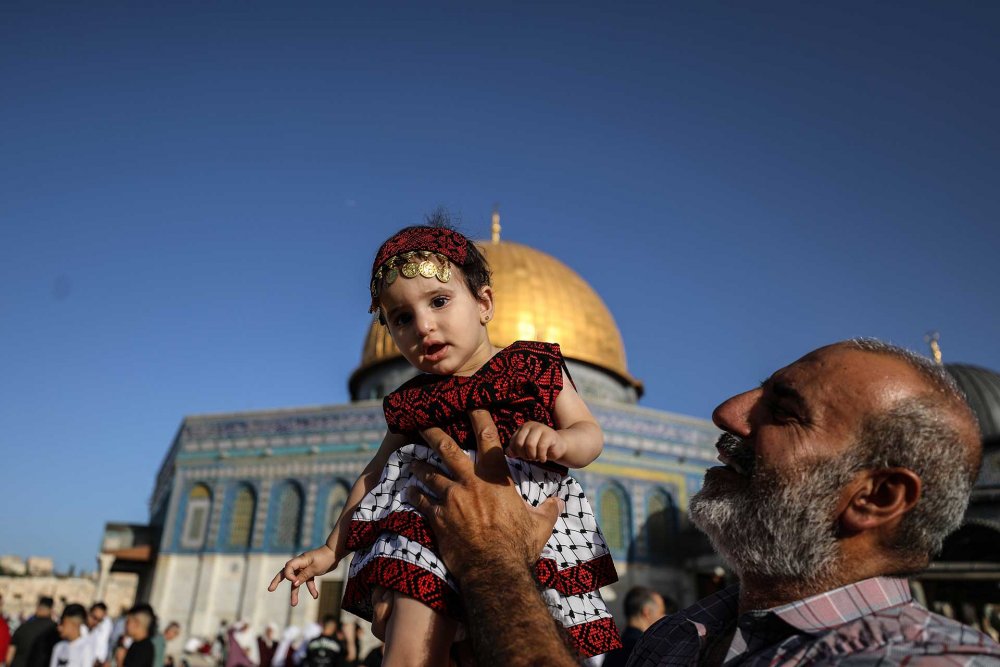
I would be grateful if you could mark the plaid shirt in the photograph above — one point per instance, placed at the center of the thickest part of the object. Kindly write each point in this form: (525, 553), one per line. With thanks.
(871, 622)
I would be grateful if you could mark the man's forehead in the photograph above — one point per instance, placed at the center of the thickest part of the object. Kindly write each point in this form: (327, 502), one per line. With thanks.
(837, 370)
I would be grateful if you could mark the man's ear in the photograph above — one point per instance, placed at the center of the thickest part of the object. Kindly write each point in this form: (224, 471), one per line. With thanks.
(876, 498)
(485, 300)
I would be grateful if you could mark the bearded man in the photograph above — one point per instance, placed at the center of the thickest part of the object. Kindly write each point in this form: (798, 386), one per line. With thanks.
(842, 475)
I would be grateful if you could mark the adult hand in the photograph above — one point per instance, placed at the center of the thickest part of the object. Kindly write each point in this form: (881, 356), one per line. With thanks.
(478, 515)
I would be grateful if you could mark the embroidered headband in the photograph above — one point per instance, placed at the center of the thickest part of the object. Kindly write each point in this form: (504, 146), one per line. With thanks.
(409, 253)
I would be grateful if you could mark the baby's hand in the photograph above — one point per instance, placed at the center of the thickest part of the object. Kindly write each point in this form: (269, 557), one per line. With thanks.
(303, 568)
(536, 442)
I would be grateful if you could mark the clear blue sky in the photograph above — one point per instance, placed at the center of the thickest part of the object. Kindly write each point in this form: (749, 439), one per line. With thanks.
(190, 194)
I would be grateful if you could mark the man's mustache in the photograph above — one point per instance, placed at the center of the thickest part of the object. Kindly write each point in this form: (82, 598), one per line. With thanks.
(738, 450)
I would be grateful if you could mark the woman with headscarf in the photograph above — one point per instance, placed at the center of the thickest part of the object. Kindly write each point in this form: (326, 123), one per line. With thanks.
(286, 647)
(267, 644)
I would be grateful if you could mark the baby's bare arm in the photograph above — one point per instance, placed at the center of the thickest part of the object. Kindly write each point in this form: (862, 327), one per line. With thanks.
(576, 442)
(365, 483)
(304, 568)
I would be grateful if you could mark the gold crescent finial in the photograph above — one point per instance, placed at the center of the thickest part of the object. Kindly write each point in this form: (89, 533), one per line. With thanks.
(932, 339)
(495, 227)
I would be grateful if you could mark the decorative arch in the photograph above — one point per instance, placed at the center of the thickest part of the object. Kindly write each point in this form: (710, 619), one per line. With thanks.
(286, 516)
(614, 518)
(244, 506)
(335, 501)
(196, 514)
(661, 524)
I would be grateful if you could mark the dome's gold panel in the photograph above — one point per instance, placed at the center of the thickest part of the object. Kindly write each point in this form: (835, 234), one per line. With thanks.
(537, 298)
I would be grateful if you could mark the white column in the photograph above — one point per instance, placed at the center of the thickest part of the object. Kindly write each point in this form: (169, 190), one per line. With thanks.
(105, 561)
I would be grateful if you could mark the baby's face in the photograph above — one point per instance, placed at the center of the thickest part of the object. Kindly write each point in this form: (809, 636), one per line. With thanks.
(440, 327)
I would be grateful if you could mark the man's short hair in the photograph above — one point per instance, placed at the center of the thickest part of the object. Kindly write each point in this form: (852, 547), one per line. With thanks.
(172, 625)
(99, 605)
(45, 601)
(935, 434)
(636, 600)
(74, 611)
(330, 618)
(145, 614)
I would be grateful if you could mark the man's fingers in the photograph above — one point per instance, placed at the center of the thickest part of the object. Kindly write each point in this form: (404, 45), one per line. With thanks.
(457, 462)
(421, 501)
(491, 465)
(277, 580)
(487, 438)
(311, 585)
(433, 479)
(295, 595)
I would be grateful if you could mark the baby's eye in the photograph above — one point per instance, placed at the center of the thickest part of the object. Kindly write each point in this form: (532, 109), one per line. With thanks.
(439, 301)
(402, 319)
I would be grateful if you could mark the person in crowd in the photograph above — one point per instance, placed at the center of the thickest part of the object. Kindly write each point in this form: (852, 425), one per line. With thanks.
(311, 632)
(842, 474)
(140, 628)
(221, 644)
(76, 648)
(430, 286)
(326, 650)
(100, 630)
(32, 642)
(239, 644)
(117, 643)
(267, 643)
(643, 607)
(4, 635)
(284, 654)
(160, 642)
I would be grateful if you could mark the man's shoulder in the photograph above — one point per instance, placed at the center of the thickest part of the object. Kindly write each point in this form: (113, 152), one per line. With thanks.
(912, 633)
(677, 638)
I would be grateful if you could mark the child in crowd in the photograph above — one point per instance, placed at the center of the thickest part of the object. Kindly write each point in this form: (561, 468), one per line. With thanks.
(431, 287)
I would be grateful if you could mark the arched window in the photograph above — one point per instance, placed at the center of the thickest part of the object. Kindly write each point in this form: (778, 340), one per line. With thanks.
(286, 533)
(335, 505)
(241, 523)
(199, 503)
(661, 524)
(614, 518)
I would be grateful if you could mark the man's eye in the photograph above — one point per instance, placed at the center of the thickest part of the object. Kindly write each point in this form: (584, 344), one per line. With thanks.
(439, 301)
(781, 414)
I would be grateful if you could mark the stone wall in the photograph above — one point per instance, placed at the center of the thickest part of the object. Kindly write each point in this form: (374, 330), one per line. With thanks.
(20, 594)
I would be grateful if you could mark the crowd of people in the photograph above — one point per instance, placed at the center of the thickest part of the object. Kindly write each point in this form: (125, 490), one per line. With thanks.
(327, 644)
(88, 637)
(85, 637)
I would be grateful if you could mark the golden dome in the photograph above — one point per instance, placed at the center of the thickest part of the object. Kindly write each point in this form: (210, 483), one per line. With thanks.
(537, 298)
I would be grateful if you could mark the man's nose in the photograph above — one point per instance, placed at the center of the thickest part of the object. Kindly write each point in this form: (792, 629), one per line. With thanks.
(733, 415)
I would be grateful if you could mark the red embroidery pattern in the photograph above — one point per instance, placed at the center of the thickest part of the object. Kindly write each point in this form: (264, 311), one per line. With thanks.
(403, 577)
(520, 383)
(595, 638)
(411, 525)
(447, 242)
(576, 580)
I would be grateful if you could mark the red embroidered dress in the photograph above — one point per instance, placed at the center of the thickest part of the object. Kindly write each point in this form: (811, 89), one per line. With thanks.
(393, 545)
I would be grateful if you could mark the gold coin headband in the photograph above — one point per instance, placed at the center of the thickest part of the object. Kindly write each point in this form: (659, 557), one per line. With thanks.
(410, 265)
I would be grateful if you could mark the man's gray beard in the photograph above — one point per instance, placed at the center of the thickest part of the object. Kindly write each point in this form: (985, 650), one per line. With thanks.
(774, 526)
